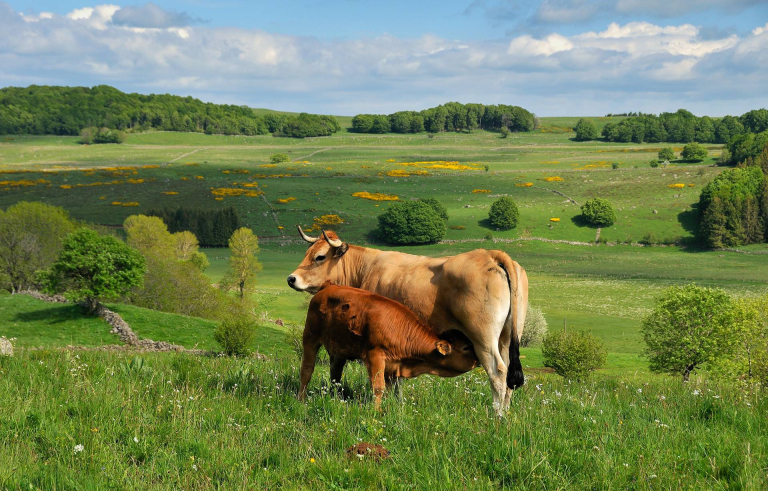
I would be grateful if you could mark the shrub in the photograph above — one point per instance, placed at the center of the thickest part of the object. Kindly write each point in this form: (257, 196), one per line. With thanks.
(725, 157)
(412, 222)
(535, 328)
(438, 206)
(504, 132)
(504, 213)
(653, 163)
(695, 152)
(666, 154)
(277, 158)
(598, 211)
(573, 354)
(94, 135)
(689, 327)
(615, 165)
(294, 336)
(585, 130)
(235, 336)
(650, 238)
(488, 236)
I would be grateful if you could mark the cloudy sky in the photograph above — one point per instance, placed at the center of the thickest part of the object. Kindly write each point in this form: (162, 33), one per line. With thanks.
(553, 57)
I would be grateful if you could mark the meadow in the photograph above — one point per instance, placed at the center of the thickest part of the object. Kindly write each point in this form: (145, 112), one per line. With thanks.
(208, 422)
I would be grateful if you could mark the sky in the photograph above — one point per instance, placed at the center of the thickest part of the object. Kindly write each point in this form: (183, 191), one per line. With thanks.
(344, 57)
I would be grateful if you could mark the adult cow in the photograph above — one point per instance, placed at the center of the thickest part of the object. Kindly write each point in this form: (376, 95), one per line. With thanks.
(482, 293)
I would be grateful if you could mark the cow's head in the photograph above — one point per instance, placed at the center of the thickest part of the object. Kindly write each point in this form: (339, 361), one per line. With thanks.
(320, 262)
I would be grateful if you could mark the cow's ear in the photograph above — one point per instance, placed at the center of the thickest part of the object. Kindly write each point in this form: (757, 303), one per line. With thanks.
(341, 250)
(444, 347)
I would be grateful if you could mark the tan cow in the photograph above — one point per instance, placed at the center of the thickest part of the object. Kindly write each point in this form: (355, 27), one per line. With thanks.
(483, 294)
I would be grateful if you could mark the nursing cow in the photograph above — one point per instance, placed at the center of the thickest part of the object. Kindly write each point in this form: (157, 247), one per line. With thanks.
(483, 294)
(354, 324)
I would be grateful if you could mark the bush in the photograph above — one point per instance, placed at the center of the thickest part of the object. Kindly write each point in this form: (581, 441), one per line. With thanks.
(504, 132)
(504, 214)
(615, 165)
(438, 206)
(535, 328)
(666, 154)
(573, 354)
(653, 163)
(278, 158)
(689, 327)
(598, 211)
(235, 336)
(94, 135)
(585, 130)
(412, 222)
(695, 152)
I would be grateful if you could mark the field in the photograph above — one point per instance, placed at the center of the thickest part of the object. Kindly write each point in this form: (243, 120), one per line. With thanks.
(211, 422)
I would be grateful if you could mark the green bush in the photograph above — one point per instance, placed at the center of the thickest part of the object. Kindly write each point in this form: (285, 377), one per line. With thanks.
(535, 328)
(653, 163)
(94, 135)
(411, 222)
(585, 130)
(504, 214)
(695, 152)
(277, 158)
(598, 211)
(235, 336)
(438, 206)
(666, 154)
(573, 355)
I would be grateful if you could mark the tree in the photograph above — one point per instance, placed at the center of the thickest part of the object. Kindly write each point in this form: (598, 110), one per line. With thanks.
(243, 265)
(440, 208)
(92, 268)
(598, 211)
(695, 152)
(411, 222)
(666, 154)
(535, 327)
(278, 158)
(149, 235)
(573, 354)
(689, 327)
(31, 237)
(504, 214)
(585, 130)
(751, 332)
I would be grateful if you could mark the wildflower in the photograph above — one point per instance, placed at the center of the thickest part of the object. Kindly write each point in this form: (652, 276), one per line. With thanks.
(95, 430)
(639, 391)
(696, 392)
(78, 448)
(136, 440)
(312, 460)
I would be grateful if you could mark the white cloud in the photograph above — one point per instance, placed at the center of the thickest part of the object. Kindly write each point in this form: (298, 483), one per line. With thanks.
(526, 45)
(152, 16)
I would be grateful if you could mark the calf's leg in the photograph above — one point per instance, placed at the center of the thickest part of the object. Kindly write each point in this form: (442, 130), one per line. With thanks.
(376, 364)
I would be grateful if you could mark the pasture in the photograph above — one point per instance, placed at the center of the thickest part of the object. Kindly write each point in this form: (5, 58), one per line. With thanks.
(185, 421)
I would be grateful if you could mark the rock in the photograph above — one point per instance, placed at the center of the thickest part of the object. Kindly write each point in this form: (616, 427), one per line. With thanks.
(6, 348)
(655, 212)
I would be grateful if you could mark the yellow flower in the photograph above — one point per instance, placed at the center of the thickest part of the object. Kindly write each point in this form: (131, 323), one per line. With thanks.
(312, 460)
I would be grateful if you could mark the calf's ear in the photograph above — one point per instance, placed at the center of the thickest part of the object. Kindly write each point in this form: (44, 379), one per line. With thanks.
(444, 347)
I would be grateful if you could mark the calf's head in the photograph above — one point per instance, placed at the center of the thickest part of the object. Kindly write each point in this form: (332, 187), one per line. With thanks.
(453, 355)
(320, 263)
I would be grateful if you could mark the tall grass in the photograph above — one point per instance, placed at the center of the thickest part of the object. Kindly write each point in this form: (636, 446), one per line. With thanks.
(179, 421)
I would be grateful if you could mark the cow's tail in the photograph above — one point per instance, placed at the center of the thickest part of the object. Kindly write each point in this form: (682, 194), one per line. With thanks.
(518, 307)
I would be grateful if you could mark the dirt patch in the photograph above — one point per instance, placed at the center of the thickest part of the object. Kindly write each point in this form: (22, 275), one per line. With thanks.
(364, 450)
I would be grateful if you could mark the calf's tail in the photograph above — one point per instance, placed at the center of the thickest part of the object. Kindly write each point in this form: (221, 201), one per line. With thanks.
(518, 307)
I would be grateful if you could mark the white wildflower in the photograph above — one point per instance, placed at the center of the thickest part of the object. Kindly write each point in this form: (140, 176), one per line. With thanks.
(78, 448)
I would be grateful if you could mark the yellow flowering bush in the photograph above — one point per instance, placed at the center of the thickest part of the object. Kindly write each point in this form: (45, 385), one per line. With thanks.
(549, 162)
(376, 196)
(23, 183)
(150, 166)
(66, 186)
(324, 221)
(286, 200)
(677, 186)
(553, 179)
(135, 181)
(199, 177)
(554, 219)
(222, 192)
(127, 203)
(478, 191)
(170, 193)
(523, 184)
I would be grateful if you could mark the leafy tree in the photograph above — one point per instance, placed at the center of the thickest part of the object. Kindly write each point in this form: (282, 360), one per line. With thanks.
(92, 268)
(411, 222)
(751, 333)
(504, 214)
(149, 234)
(695, 152)
(31, 237)
(666, 154)
(585, 130)
(440, 208)
(725, 157)
(689, 327)
(278, 158)
(573, 354)
(535, 327)
(243, 265)
(598, 211)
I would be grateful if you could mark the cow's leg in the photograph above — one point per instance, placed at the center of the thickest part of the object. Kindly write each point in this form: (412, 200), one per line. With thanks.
(308, 360)
(489, 357)
(337, 368)
(504, 342)
(376, 364)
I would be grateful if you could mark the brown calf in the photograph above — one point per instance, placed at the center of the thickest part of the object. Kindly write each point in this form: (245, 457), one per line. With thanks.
(392, 342)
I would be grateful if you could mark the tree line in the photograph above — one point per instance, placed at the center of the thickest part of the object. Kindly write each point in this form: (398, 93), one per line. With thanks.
(452, 116)
(56, 110)
(212, 228)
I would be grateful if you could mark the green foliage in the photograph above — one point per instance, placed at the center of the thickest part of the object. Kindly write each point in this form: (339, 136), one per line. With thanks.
(308, 125)
(725, 157)
(615, 165)
(535, 328)
(440, 208)
(585, 130)
(695, 152)
(452, 116)
(31, 237)
(653, 163)
(598, 211)
(573, 354)
(666, 154)
(504, 132)
(504, 214)
(278, 158)
(690, 326)
(411, 222)
(93, 135)
(750, 321)
(243, 265)
(213, 228)
(733, 210)
(747, 146)
(235, 336)
(94, 268)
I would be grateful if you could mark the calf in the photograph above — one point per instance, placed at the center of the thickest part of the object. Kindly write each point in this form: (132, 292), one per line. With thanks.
(390, 339)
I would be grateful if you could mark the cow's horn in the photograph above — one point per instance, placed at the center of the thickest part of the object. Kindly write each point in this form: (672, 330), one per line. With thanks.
(332, 242)
(306, 237)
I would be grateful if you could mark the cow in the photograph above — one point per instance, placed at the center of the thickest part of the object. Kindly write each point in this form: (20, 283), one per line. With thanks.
(482, 293)
(392, 341)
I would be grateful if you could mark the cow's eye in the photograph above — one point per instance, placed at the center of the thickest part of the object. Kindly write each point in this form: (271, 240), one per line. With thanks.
(320, 258)
(468, 347)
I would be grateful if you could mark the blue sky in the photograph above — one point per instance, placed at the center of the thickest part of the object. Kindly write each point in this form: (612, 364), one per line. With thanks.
(554, 57)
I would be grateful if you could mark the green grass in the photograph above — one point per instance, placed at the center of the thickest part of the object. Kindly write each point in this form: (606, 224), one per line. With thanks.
(216, 423)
